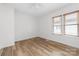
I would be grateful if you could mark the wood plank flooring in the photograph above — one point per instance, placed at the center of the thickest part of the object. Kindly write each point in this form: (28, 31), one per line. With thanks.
(39, 47)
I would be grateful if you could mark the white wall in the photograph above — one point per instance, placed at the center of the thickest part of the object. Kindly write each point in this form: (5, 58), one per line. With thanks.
(16, 26)
(6, 26)
(25, 26)
(46, 29)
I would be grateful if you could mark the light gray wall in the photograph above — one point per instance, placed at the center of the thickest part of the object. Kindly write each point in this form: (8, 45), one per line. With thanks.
(46, 29)
(16, 26)
(6, 26)
(25, 26)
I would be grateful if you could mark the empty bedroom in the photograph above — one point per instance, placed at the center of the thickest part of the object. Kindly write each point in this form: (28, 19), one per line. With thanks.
(39, 29)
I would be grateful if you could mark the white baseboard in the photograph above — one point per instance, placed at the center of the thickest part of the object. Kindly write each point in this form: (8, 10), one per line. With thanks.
(25, 38)
(7, 45)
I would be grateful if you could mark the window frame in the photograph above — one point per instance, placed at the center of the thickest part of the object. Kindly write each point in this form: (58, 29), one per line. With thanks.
(57, 25)
(77, 19)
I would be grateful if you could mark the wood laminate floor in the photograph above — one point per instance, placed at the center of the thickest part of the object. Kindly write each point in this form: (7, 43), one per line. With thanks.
(39, 47)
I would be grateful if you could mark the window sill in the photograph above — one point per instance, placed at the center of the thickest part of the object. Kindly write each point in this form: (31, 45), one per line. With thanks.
(66, 35)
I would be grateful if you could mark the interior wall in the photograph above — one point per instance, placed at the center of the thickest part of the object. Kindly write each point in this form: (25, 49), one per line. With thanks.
(46, 29)
(25, 26)
(6, 26)
(19, 26)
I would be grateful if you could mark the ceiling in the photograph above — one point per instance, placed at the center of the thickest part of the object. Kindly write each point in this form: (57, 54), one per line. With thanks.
(35, 8)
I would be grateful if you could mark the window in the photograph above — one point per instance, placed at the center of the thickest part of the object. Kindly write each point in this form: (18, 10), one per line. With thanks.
(57, 25)
(67, 24)
(71, 24)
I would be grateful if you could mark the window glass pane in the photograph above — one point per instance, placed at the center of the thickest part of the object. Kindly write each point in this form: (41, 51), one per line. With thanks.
(57, 29)
(57, 21)
(71, 18)
(71, 30)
